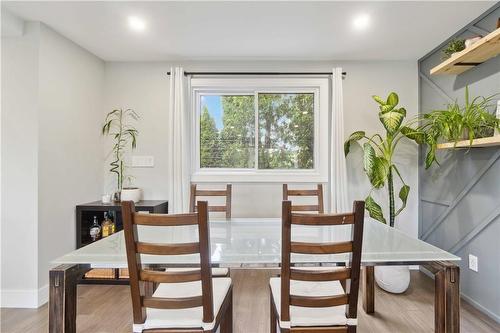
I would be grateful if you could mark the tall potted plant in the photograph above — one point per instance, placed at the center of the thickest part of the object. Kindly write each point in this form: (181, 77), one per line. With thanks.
(379, 166)
(117, 125)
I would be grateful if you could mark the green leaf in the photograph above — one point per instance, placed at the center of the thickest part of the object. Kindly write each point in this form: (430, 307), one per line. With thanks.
(386, 108)
(392, 119)
(378, 100)
(380, 172)
(376, 168)
(413, 134)
(374, 210)
(356, 136)
(403, 195)
(369, 159)
(431, 156)
(393, 99)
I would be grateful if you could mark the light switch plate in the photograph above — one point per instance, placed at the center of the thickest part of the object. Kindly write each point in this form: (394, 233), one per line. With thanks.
(473, 263)
(143, 161)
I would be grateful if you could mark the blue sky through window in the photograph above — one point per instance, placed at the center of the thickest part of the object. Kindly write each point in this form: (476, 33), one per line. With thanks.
(214, 106)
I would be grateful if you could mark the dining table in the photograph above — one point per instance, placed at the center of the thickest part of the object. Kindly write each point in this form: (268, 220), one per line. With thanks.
(256, 242)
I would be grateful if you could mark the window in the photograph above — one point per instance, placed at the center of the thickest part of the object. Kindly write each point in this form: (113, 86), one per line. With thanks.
(260, 129)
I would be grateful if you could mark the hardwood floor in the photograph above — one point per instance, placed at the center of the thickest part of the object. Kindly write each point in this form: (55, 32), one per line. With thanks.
(108, 309)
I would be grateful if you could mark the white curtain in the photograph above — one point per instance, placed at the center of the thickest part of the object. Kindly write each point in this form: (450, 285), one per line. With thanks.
(338, 176)
(178, 172)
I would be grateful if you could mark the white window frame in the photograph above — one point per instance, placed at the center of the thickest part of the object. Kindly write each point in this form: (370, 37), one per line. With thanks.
(319, 86)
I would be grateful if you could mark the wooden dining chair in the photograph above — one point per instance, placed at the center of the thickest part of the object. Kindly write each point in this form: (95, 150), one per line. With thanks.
(318, 192)
(314, 301)
(227, 193)
(188, 301)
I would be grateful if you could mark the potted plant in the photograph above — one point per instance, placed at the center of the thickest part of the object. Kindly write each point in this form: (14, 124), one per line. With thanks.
(125, 135)
(459, 122)
(378, 160)
(454, 46)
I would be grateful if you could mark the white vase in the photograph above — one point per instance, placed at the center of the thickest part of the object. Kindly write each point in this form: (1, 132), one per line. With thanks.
(393, 279)
(131, 194)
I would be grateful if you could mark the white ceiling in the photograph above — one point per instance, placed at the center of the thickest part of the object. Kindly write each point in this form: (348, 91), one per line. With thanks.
(214, 30)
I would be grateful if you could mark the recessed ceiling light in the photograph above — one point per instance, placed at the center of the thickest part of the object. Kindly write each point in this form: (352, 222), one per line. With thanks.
(361, 22)
(137, 24)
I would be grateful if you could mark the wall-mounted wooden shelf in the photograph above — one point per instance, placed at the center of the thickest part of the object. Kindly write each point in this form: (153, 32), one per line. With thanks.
(484, 49)
(483, 142)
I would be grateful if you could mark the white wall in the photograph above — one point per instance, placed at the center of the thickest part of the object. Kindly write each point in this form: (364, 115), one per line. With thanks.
(145, 88)
(19, 167)
(69, 146)
(51, 154)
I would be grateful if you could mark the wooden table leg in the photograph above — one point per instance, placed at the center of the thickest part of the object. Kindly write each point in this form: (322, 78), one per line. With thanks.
(62, 297)
(447, 296)
(369, 289)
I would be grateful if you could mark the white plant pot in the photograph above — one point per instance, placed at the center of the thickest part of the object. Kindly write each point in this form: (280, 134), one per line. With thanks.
(393, 279)
(131, 194)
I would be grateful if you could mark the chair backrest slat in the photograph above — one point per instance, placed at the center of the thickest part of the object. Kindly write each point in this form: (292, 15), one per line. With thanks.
(170, 277)
(167, 249)
(140, 276)
(324, 219)
(319, 301)
(172, 303)
(165, 220)
(318, 192)
(320, 248)
(227, 193)
(320, 275)
(348, 275)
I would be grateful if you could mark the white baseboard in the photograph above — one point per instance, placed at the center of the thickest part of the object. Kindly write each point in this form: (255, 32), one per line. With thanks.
(27, 298)
(481, 308)
(43, 295)
(469, 300)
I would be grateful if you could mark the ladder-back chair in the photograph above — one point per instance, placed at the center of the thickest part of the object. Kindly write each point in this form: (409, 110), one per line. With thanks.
(227, 193)
(311, 300)
(318, 192)
(188, 301)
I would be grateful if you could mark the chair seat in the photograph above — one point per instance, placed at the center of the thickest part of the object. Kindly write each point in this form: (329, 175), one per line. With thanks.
(216, 271)
(303, 316)
(184, 318)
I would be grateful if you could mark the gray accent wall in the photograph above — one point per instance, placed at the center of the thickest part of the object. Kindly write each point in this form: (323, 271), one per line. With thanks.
(459, 201)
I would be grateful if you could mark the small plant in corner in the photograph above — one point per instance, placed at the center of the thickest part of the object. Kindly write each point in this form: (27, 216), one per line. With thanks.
(378, 155)
(455, 45)
(117, 125)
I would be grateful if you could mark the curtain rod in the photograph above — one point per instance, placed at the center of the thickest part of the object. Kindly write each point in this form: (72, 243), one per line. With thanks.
(259, 73)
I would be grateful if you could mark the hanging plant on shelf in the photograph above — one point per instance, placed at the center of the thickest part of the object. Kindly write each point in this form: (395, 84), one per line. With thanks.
(125, 135)
(378, 154)
(459, 122)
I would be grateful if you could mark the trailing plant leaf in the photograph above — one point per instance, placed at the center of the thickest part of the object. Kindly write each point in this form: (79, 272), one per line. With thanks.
(354, 137)
(403, 195)
(431, 156)
(374, 210)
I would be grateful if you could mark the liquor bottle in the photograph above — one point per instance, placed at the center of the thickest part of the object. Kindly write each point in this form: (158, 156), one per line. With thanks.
(106, 226)
(113, 224)
(95, 230)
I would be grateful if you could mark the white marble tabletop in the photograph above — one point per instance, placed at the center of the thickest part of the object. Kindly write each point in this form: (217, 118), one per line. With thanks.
(257, 241)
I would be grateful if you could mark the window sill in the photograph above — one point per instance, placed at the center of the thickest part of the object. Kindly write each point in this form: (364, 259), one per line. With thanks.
(225, 176)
